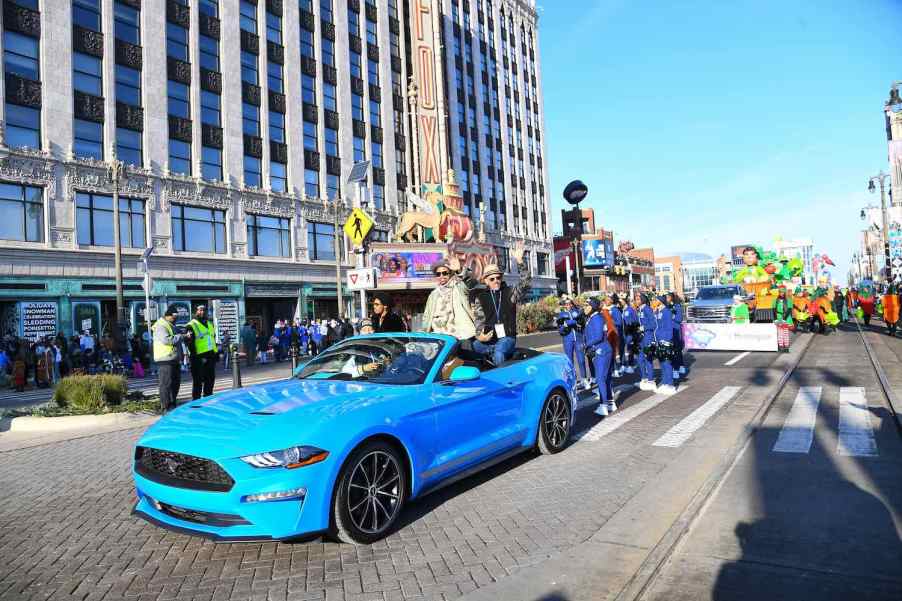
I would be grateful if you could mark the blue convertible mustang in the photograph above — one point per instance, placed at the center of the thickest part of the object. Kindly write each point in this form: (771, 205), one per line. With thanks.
(359, 430)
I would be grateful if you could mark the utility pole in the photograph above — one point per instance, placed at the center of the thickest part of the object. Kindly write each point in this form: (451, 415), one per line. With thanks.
(881, 179)
(115, 172)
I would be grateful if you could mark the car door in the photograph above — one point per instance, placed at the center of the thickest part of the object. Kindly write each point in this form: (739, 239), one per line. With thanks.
(475, 420)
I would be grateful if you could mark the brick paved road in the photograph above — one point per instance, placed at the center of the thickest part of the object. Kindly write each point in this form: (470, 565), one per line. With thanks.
(66, 531)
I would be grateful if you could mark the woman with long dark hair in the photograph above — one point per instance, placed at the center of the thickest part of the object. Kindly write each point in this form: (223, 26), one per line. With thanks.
(384, 319)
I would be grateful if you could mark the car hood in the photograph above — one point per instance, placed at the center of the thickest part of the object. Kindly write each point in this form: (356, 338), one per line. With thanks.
(264, 417)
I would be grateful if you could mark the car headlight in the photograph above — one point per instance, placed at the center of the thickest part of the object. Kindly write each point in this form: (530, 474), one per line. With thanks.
(290, 458)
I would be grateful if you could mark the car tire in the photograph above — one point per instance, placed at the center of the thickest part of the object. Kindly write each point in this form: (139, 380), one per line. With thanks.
(370, 493)
(555, 423)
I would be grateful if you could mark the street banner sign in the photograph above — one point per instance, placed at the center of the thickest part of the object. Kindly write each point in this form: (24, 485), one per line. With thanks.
(730, 336)
(361, 279)
(358, 226)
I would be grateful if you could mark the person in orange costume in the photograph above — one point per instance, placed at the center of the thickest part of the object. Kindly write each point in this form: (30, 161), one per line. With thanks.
(891, 310)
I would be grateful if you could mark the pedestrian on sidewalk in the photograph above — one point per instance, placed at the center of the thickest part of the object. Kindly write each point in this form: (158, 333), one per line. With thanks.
(599, 352)
(166, 345)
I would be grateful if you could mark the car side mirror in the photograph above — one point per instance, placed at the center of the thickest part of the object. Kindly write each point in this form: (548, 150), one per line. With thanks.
(465, 373)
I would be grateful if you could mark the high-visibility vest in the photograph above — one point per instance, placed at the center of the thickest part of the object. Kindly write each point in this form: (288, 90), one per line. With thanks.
(161, 350)
(204, 337)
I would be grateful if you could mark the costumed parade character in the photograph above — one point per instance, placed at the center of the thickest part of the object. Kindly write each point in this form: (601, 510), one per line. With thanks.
(891, 310)
(740, 311)
(866, 304)
(600, 353)
(783, 309)
(676, 308)
(647, 325)
(800, 309)
(617, 316)
(631, 336)
(664, 344)
(570, 324)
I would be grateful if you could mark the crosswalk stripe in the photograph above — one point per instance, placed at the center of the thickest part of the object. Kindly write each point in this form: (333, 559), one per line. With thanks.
(622, 417)
(797, 432)
(738, 358)
(856, 436)
(684, 430)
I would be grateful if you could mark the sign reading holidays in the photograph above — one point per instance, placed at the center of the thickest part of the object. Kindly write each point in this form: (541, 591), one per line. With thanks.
(38, 319)
(358, 226)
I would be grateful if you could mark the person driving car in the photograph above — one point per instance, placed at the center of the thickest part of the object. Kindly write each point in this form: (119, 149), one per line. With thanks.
(410, 364)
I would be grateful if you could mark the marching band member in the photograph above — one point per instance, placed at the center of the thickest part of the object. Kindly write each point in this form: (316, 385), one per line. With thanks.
(631, 335)
(617, 315)
(614, 342)
(676, 309)
(599, 351)
(570, 324)
(664, 344)
(647, 325)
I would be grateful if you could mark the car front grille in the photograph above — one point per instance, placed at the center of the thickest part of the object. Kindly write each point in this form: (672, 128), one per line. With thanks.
(202, 517)
(181, 471)
(715, 313)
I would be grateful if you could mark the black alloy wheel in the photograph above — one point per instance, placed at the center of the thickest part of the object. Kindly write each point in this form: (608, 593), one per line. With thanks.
(372, 488)
(555, 423)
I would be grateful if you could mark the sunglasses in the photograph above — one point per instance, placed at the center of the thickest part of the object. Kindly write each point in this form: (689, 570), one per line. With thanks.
(442, 273)
(493, 278)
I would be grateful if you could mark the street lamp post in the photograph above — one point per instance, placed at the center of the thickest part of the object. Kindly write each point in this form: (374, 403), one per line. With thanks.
(881, 179)
(115, 172)
(575, 193)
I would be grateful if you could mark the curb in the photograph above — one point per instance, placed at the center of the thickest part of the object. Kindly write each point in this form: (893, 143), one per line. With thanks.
(34, 424)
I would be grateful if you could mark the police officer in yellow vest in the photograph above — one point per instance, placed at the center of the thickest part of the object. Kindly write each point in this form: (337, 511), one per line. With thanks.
(204, 354)
(166, 345)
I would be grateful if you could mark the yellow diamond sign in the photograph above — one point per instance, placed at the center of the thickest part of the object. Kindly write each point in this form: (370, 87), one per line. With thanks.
(358, 226)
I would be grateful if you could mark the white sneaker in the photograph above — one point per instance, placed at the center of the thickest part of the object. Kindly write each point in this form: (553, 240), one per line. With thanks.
(612, 406)
(676, 376)
(630, 369)
(667, 389)
(601, 410)
(586, 384)
(646, 385)
(616, 373)
(683, 370)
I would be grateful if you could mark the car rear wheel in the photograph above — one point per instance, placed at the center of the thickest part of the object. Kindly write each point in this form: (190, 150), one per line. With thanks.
(555, 423)
(372, 488)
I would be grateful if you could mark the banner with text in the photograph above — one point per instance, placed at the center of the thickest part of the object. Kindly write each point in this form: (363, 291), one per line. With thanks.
(38, 319)
(730, 336)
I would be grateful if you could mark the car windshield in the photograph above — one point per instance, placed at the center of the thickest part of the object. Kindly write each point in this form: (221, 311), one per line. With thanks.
(379, 359)
(716, 293)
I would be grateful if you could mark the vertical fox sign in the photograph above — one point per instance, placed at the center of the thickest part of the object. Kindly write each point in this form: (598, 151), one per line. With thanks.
(429, 110)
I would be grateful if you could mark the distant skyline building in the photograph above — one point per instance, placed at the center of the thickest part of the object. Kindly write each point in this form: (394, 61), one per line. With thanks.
(698, 269)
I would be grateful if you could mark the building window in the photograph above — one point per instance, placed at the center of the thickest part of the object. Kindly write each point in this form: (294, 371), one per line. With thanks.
(250, 119)
(268, 236)
(353, 22)
(86, 13)
(310, 140)
(209, 53)
(88, 139)
(128, 85)
(23, 126)
(329, 100)
(333, 186)
(359, 150)
(277, 127)
(371, 36)
(209, 7)
(128, 23)
(210, 108)
(311, 183)
(504, 259)
(308, 89)
(249, 68)
(379, 196)
(374, 113)
(357, 107)
(274, 28)
(274, 77)
(253, 171)
(211, 164)
(541, 263)
(21, 213)
(249, 16)
(129, 147)
(179, 157)
(195, 229)
(331, 142)
(94, 220)
(356, 65)
(325, 10)
(20, 55)
(321, 241)
(307, 43)
(328, 48)
(278, 177)
(376, 150)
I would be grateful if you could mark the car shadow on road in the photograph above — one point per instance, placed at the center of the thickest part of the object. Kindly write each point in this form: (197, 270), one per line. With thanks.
(825, 528)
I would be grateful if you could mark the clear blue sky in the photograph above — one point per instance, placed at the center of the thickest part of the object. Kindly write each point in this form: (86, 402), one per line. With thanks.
(697, 125)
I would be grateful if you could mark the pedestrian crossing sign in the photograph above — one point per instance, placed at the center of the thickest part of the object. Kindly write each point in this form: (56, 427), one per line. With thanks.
(358, 226)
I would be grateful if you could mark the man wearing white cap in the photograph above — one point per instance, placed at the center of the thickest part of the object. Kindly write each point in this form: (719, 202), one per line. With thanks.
(496, 310)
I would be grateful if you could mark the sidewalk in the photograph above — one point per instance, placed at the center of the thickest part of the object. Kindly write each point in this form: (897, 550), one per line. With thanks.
(10, 399)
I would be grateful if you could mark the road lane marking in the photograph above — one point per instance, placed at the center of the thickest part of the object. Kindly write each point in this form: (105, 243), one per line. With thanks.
(738, 358)
(549, 347)
(623, 416)
(684, 430)
(797, 432)
(856, 436)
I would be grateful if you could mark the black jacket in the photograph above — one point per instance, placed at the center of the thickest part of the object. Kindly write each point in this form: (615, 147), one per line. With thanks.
(391, 323)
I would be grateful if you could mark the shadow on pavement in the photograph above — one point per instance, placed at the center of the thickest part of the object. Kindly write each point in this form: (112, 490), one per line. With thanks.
(821, 534)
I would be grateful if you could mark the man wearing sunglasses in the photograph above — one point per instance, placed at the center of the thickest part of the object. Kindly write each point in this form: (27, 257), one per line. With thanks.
(496, 310)
(448, 309)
